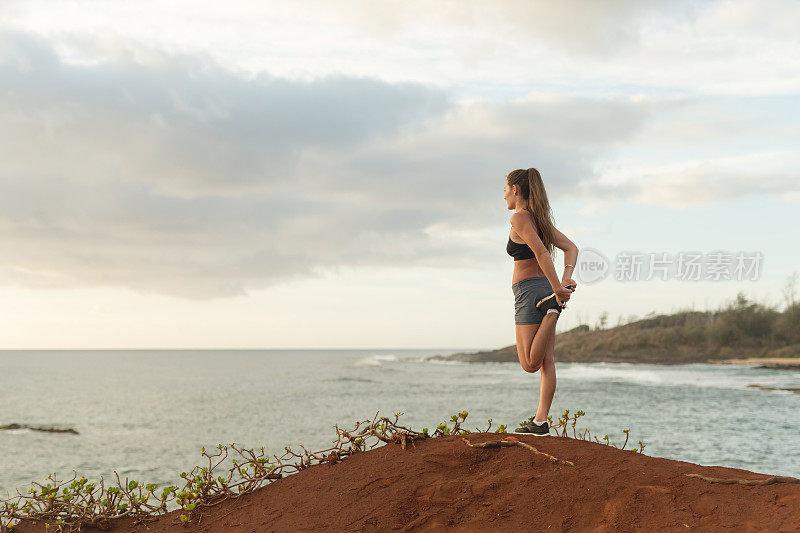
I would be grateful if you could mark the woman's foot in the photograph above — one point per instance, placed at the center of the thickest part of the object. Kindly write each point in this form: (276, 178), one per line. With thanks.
(550, 302)
(533, 428)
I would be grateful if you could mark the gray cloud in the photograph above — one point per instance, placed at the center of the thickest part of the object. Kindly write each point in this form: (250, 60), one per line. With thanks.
(195, 126)
(183, 178)
(702, 184)
(587, 28)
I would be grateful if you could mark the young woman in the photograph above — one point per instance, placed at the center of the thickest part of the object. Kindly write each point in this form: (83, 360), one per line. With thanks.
(539, 296)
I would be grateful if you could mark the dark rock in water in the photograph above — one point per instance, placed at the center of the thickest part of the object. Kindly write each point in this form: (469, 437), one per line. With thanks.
(780, 366)
(503, 355)
(49, 429)
(764, 387)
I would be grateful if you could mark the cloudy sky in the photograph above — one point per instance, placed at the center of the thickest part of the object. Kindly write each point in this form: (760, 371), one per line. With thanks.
(330, 174)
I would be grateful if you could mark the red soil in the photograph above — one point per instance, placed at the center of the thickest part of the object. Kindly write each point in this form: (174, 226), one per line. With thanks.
(443, 484)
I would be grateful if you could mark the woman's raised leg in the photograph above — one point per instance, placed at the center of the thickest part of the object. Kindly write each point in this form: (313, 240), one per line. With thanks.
(544, 336)
(525, 335)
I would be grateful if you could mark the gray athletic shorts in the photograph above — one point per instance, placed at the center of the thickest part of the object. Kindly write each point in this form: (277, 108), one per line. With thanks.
(527, 292)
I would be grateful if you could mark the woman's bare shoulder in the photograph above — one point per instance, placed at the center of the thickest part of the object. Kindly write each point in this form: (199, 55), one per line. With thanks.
(523, 218)
(524, 215)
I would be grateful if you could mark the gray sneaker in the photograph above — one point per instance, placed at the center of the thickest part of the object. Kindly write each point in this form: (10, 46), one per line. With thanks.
(529, 428)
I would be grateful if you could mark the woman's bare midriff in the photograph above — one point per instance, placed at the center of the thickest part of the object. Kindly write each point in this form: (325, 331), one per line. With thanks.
(524, 268)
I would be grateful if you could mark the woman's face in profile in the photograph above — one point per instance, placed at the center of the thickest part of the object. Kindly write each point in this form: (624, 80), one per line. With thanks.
(509, 197)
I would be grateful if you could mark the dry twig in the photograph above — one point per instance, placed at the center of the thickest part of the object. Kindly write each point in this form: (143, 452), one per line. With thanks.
(505, 443)
(734, 481)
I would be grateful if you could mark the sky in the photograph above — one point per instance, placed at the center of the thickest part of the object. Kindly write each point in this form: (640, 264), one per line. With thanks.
(330, 174)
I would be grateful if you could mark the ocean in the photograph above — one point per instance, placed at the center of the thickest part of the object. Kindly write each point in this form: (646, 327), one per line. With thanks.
(147, 413)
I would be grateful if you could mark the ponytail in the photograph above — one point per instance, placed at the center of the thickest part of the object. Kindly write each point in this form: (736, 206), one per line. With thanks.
(532, 188)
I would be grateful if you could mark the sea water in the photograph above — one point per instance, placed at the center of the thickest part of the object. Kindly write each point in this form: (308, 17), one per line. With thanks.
(146, 413)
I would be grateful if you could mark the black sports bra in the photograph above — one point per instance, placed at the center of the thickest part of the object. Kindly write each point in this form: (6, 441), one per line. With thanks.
(519, 251)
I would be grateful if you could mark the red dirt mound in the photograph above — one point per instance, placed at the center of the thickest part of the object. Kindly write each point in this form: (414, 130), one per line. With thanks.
(443, 484)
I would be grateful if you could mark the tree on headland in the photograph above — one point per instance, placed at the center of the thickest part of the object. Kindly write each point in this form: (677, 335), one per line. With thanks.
(790, 290)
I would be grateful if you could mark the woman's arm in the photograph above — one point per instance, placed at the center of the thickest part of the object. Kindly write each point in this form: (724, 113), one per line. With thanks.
(570, 254)
(523, 225)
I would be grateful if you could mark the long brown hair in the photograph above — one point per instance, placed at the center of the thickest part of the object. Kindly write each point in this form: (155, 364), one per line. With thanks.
(531, 188)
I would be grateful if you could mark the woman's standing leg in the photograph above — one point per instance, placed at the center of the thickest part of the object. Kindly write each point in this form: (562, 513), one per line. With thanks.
(547, 384)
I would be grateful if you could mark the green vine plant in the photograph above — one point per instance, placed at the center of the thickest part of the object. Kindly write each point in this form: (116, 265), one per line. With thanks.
(567, 422)
(74, 503)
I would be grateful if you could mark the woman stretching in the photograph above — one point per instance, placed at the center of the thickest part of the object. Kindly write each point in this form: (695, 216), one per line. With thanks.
(539, 296)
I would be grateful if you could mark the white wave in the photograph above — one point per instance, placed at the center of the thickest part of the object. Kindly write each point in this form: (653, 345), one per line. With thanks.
(375, 359)
(698, 375)
(606, 372)
(445, 362)
(16, 431)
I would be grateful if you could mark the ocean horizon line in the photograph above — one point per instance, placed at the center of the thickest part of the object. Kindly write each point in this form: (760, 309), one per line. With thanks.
(215, 349)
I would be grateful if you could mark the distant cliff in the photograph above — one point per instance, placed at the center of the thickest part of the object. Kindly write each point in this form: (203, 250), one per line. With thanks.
(740, 330)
